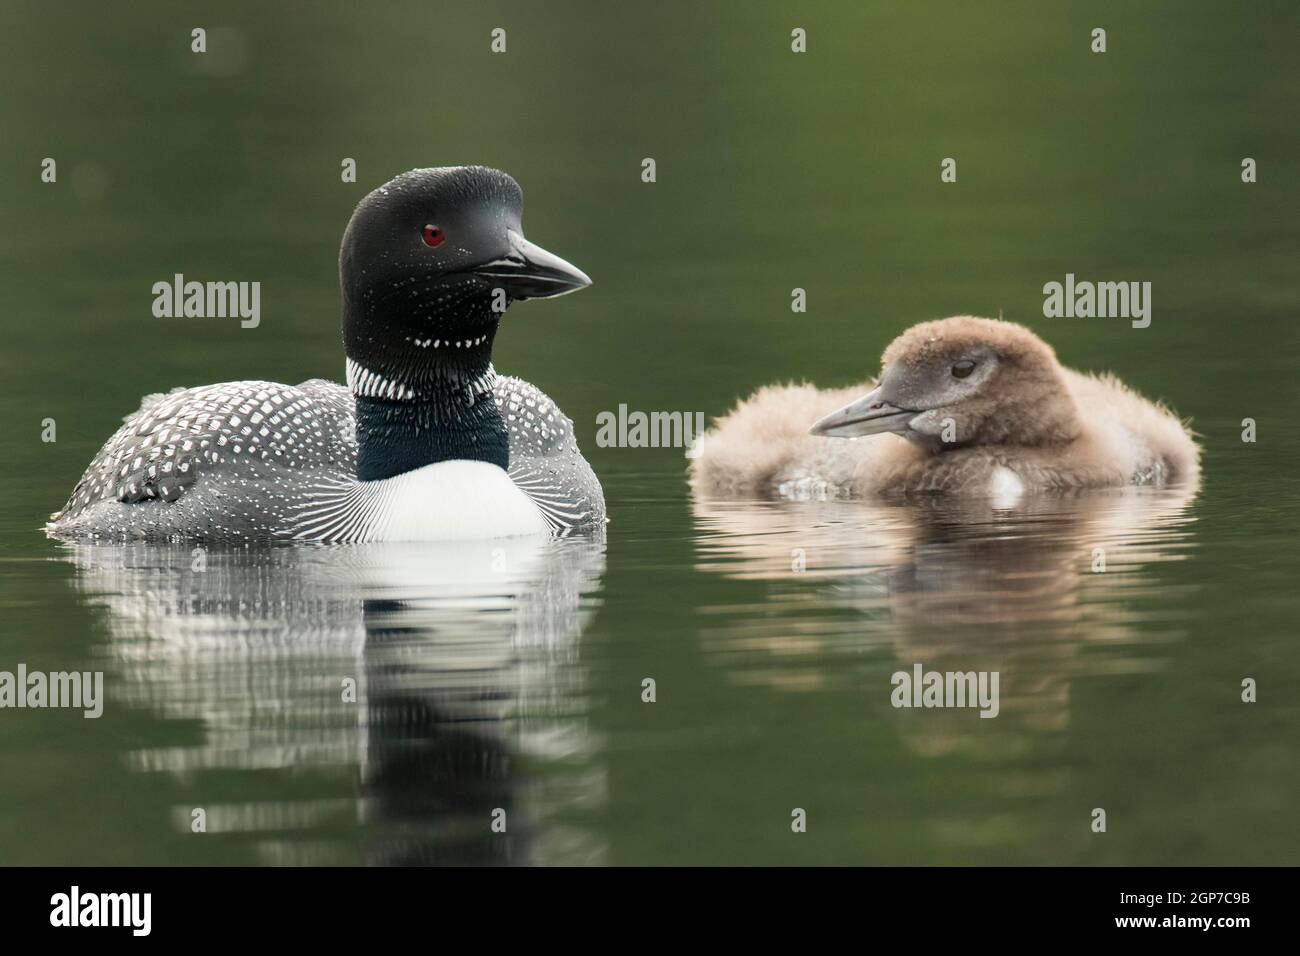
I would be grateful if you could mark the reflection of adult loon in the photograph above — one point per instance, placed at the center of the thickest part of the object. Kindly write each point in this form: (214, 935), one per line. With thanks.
(429, 443)
(468, 693)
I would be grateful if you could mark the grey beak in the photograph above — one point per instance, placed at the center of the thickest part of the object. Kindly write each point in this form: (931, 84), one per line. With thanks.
(869, 415)
(528, 271)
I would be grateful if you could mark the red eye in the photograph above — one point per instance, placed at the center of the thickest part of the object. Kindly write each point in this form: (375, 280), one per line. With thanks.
(432, 236)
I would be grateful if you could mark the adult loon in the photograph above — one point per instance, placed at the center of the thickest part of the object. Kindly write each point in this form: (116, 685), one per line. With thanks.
(426, 442)
(965, 406)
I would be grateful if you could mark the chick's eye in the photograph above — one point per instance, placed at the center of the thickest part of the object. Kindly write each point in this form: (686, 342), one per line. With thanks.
(432, 236)
(963, 368)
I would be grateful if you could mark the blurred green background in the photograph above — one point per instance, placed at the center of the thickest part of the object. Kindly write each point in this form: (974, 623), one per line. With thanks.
(774, 171)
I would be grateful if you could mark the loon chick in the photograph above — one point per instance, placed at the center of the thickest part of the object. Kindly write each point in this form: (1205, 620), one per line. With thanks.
(426, 442)
(976, 407)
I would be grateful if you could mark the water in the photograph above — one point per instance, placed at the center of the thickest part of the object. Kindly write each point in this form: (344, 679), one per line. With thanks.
(510, 676)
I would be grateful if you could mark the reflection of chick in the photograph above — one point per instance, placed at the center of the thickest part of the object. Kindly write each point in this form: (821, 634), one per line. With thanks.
(985, 408)
(951, 584)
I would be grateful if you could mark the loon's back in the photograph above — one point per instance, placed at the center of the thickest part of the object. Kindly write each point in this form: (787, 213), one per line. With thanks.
(244, 461)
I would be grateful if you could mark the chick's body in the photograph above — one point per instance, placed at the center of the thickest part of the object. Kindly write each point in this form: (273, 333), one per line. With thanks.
(964, 406)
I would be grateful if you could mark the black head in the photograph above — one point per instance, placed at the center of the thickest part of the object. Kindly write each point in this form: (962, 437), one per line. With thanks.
(428, 264)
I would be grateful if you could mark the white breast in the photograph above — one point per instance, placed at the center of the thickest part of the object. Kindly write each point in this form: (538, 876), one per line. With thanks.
(451, 500)
(1005, 487)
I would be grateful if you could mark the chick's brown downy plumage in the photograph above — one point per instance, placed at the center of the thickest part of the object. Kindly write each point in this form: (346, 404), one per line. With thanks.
(963, 405)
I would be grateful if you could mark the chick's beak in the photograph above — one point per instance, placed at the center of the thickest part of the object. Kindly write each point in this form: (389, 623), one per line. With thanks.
(869, 415)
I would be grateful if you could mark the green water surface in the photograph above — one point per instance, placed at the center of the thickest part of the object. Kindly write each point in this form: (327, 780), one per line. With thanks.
(511, 679)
